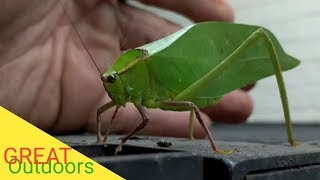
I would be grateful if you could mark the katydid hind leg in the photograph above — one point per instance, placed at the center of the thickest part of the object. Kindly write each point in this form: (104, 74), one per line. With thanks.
(145, 121)
(260, 33)
(102, 109)
(281, 85)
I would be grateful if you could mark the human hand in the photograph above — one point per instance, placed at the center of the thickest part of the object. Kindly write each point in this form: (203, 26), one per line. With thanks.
(48, 78)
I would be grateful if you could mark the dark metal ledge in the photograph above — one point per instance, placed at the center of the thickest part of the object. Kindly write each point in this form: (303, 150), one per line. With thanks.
(254, 159)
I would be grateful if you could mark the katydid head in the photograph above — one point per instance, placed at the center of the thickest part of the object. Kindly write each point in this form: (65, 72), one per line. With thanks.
(117, 89)
(114, 86)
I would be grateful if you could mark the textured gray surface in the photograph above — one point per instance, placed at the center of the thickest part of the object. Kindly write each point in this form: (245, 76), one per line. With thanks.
(265, 133)
(248, 159)
(242, 150)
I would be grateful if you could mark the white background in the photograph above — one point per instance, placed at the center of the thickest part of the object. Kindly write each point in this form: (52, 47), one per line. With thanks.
(296, 23)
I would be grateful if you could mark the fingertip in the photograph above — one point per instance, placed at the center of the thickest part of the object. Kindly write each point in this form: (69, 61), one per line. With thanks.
(140, 27)
(201, 10)
(212, 11)
(249, 87)
(234, 107)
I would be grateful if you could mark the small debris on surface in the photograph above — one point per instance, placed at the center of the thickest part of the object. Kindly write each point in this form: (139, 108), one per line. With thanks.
(237, 150)
(164, 143)
(84, 141)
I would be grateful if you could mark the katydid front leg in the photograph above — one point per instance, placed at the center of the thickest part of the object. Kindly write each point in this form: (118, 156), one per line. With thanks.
(110, 124)
(103, 108)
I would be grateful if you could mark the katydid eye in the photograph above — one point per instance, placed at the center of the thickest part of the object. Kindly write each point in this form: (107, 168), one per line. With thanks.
(111, 78)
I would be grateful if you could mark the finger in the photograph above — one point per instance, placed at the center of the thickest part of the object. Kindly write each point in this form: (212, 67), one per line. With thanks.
(234, 107)
(162, 123)
(249, 87)
(200, 10)
(140, 27)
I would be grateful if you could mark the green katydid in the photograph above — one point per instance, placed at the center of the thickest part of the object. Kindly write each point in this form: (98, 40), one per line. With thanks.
(193, 68)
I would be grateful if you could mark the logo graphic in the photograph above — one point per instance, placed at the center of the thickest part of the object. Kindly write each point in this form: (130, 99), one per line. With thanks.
(27, 152)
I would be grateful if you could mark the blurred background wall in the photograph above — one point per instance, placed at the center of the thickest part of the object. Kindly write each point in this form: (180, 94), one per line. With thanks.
(296, 23)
